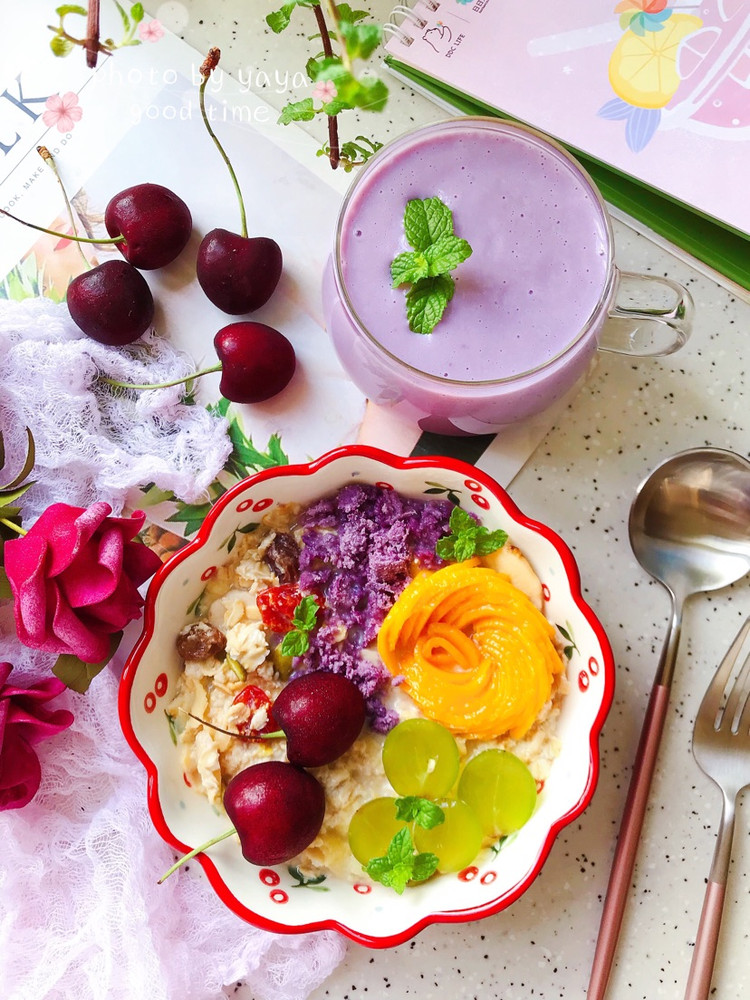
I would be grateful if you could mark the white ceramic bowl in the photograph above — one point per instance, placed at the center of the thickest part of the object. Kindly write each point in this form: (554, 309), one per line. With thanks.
(367, 913)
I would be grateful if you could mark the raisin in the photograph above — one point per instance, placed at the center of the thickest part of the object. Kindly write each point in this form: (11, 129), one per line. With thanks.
(282, 556)
(201, 641)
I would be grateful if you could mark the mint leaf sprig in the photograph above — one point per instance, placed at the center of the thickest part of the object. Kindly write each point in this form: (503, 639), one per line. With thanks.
(428, 227)
(468, 538)
(401, 863)
(297, 641)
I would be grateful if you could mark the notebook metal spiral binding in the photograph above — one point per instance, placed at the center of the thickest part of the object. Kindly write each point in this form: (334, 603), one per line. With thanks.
(403, 12)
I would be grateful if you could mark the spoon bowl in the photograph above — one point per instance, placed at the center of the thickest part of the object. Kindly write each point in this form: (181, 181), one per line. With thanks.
(690, 521)
(689, 528)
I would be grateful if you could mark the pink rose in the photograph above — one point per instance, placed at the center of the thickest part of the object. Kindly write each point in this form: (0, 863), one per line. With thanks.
(74, 577)
(24, 722)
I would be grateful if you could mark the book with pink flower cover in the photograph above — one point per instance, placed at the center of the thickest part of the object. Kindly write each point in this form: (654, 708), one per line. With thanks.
(654, 99)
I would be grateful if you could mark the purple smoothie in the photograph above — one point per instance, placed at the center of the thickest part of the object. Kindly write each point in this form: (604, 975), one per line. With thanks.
(541, 259)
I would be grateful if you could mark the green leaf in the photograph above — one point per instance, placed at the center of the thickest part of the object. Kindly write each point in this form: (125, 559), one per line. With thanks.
(426, 302)
(295, 643)
(71, 8)
(312, 68)
(60, 47)
(76, 674)
(408, 267)
(28, 464)
(347, 15)
(297, 111)
(306, 613)
(446, 253)
(190, 512)
(137, 13)
(468, 538)
(8, 496)
(334, 107)
(425, 866)
(5, 592)
(423, 812)
(123, 16)
(279, 20)
(426, 220)
(371, 94)
(401, 865)
(360, 40)
(490, 541)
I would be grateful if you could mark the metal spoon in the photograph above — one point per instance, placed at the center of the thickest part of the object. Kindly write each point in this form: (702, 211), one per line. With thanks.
(690, 529)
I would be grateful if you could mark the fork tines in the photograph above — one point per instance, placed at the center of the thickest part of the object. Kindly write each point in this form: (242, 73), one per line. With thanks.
(726, 702)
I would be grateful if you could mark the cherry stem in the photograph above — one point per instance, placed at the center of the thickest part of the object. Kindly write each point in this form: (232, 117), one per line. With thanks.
(63, 236)
(196, 850)
(206, 73)
(160, 385)
(15, 527)
(50, 161)
(277, 735)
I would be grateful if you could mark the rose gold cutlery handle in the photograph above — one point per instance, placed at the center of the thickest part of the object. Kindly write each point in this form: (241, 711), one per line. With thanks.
(702, 966)
(707, 937)
(627, 841)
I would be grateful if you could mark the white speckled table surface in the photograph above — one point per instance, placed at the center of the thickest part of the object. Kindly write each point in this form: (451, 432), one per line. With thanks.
(581, 479)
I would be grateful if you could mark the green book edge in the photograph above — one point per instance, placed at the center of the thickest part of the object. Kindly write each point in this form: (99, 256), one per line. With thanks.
(722, 248)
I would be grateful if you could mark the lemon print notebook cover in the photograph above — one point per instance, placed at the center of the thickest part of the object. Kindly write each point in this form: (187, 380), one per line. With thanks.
(654, 99)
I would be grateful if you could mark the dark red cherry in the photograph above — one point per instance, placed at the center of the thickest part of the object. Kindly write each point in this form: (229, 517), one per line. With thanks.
(111, 303)
(257, 361)
(277, 810)
(155, 222)
(321, 714)
(238, 273)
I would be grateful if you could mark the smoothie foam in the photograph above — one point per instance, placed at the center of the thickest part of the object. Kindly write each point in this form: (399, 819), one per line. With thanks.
(540, 262)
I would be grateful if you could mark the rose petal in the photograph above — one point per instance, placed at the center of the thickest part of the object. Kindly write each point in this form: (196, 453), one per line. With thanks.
(25, 561)
(20, 773)
(73, 635)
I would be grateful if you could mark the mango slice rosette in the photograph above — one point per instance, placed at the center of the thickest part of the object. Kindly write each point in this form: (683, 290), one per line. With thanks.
(473, 651)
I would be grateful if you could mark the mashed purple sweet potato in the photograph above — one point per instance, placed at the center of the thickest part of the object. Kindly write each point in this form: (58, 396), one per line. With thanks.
(359, 547)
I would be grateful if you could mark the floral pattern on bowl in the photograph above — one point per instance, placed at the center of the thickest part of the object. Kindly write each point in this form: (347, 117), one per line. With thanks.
(364, 911)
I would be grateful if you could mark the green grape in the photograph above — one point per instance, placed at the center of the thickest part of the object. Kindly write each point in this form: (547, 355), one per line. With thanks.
(420, 757)
(372, 828)
(455, 841)
(500, 789)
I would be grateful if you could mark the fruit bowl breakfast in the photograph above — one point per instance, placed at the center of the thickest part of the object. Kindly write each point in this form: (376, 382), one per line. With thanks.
(371, 680)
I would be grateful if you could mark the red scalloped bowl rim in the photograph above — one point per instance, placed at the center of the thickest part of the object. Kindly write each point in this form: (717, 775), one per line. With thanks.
(441, 916)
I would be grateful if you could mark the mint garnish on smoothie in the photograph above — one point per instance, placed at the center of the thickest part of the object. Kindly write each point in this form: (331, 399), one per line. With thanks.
(428, 226)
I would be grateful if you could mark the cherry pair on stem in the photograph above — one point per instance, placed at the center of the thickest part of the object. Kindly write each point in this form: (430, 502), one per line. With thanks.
(277, 807)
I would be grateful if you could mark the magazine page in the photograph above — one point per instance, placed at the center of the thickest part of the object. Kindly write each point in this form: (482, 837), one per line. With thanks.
(658, 92)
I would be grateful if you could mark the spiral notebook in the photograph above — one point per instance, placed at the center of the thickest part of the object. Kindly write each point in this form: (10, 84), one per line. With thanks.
(654, 100)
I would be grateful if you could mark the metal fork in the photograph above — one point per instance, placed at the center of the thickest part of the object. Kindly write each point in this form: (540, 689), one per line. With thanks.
(721, 746)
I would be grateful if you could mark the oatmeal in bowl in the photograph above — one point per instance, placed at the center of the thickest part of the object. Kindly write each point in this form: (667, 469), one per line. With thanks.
(453, 624)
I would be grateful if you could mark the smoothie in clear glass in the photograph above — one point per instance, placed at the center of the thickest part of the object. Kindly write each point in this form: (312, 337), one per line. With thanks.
(529, 302)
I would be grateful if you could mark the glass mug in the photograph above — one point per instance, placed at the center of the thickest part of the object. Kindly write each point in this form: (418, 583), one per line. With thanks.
(538, 296)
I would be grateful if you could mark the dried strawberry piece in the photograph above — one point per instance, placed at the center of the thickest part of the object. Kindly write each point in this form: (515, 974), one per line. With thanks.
(277, 606)
(255, 698)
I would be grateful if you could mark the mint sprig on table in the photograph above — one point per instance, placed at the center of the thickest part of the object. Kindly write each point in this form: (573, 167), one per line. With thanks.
(297, 641)
(467, 538)
(428, 227)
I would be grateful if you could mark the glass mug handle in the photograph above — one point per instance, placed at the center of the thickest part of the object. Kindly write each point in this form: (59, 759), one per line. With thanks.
(647, 331)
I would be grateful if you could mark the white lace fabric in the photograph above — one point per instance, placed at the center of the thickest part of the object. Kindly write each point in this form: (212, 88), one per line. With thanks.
(94, 442)
(81, 915)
